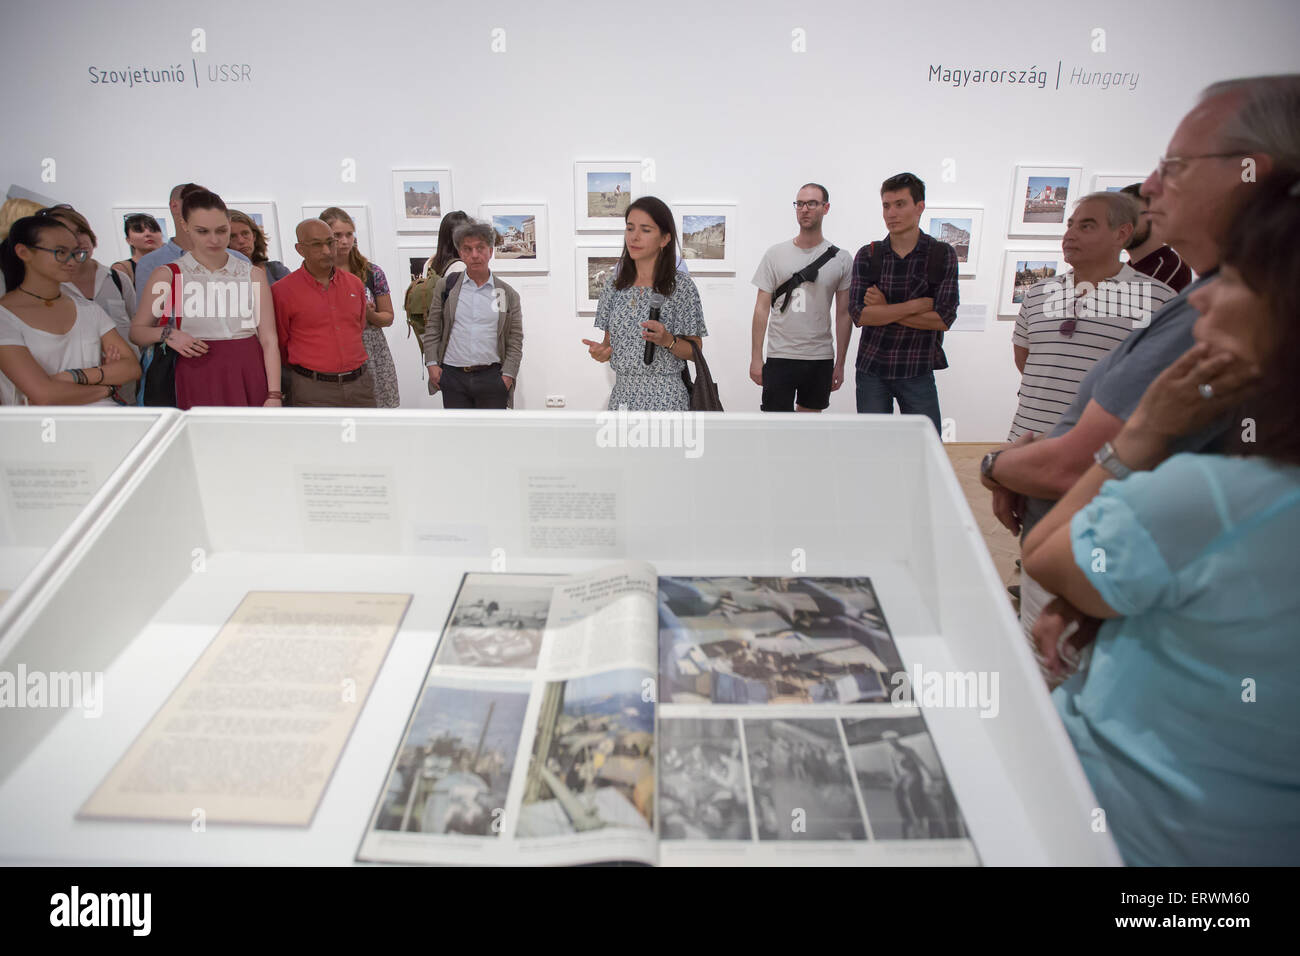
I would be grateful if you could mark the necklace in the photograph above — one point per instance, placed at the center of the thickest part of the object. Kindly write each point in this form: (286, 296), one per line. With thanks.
(49, 303)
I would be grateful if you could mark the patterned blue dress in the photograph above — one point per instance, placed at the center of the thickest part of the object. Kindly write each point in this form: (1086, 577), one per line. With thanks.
(656, 387)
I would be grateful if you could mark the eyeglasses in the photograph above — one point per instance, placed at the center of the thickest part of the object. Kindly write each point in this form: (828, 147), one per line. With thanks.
(1167, 166)
(61, 255)
(807, 203)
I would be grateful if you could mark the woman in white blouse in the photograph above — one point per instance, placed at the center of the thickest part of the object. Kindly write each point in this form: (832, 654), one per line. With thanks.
(226, 344)
(113, 291)
(56, 348)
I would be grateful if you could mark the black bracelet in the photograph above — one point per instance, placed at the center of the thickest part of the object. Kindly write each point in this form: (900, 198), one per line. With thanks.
(78, 376)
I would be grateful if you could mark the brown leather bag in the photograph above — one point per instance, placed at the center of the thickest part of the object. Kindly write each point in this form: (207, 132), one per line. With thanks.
(703, 391)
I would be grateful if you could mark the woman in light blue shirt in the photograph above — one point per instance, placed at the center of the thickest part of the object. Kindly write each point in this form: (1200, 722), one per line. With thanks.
(1187, 718)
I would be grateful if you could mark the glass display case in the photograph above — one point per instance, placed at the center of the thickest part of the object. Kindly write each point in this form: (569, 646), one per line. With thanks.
(232, 501)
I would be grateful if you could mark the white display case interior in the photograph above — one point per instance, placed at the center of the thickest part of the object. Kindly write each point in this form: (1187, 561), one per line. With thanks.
(57, 465)
(231, 501)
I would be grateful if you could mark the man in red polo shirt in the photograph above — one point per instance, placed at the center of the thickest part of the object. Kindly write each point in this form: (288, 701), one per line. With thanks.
(320, 314)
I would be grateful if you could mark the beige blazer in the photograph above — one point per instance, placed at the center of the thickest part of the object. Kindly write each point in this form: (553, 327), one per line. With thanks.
(440, 320)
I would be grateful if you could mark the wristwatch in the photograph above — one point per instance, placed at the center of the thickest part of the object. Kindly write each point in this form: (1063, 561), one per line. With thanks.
(986, 466)
(1105, 456)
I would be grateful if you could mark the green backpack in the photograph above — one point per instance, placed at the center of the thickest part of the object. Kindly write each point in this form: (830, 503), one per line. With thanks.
(418, 296)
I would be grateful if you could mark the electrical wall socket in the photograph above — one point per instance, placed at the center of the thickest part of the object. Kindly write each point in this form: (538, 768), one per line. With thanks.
(554, 401)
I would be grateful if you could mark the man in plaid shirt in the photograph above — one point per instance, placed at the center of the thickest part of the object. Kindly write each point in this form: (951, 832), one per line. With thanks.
(905, 311)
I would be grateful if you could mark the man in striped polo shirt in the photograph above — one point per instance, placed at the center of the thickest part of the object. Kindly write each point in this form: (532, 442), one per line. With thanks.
(1068, 322)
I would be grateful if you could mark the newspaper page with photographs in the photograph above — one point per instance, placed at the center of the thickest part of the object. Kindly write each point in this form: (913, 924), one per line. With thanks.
(622, 716)
(532, 741)
(779, 738)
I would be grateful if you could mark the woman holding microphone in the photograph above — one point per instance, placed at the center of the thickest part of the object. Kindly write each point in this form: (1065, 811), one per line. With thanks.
(648, 309)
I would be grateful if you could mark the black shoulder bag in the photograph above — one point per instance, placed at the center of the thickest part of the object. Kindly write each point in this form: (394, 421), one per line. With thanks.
(160, 369)
(807, 274)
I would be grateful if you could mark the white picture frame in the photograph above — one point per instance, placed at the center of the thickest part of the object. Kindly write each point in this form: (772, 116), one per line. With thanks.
(263, 213)
(703, 219)
(1041, 199)
(409, 253)
(608, 204)
(360, 215)
(522, 246)
(1113, 182)
(1012, 263)
(416, 209)
(591, 262)
(959, 220)
(161, 213)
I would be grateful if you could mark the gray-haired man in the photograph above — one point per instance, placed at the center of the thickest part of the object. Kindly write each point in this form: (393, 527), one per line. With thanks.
(474, 329)
(1240, 131)
(1067, 322)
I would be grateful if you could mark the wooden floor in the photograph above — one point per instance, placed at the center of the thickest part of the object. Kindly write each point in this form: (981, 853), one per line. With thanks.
(1004, 547)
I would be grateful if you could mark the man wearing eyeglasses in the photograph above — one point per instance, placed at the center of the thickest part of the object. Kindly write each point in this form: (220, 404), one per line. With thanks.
(1238, 127)
(1068, 322)
(796, 280)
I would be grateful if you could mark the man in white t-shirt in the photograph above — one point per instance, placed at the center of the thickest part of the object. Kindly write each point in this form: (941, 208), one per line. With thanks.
(796, 281)
(1067, 322)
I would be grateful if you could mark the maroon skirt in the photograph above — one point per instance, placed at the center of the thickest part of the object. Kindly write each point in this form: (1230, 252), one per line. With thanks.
(230, 372)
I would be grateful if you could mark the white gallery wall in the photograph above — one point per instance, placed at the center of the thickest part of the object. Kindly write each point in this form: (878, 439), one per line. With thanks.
(732, 102)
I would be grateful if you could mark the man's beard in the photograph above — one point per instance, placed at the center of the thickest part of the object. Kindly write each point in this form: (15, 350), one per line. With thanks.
(1139, 237)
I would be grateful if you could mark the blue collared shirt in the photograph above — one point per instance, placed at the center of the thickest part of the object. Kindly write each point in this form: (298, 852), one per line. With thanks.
(474, 331)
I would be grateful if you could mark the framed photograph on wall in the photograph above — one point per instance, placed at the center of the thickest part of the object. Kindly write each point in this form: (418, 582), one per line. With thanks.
(1021, 268)
(263, 213)
(416, 256)
(602, 193)
(161, 213)
(707, 232)
(1114, 183)
(420, 197)
(360, 215)
(1041, 198)
(960, 227)
(523, 241)
(595, 265)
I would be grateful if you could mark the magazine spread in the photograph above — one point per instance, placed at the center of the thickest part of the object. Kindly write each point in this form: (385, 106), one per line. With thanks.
(620, 716)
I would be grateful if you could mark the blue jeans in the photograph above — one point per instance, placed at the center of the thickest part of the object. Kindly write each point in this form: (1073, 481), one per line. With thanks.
(916, 396)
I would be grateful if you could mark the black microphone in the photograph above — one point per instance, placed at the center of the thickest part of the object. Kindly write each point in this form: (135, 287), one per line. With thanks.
(656, 300)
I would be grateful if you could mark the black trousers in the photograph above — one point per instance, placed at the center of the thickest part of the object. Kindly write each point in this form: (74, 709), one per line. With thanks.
(481, 389)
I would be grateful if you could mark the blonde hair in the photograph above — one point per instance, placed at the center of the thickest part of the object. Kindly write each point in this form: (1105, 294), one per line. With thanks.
(358, 264)
(15, 209)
